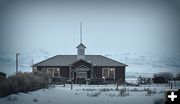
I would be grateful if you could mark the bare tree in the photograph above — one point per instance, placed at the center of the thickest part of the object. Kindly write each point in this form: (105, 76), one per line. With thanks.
(166, 75)
(177, 77)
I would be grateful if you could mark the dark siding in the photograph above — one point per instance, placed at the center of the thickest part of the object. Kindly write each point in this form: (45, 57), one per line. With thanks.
(2, 74)
(64, 72)
(120, 74)
(89, 74)
(97, 72)
(43, 68)
(39, 68)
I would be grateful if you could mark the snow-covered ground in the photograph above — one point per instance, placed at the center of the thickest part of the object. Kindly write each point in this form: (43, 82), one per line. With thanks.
(88, 94)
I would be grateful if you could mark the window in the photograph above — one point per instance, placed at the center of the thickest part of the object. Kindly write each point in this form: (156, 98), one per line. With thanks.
(80, 51)
(105, 72)
(112, 73)
(54, 72)
(43, 69)
(34, 69)
(50, 71)
(108, 73)
(81, 75)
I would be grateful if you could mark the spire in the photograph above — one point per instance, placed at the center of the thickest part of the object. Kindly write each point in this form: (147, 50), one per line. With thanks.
(80, 32)
(80, 47)
(81, 44)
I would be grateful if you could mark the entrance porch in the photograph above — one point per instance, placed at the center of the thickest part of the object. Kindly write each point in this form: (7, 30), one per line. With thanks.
(81, 71)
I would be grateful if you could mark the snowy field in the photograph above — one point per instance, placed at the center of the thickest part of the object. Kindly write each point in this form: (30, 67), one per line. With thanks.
(89, 94)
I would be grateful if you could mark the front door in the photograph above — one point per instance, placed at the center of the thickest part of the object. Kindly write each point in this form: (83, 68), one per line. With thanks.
(81, 74)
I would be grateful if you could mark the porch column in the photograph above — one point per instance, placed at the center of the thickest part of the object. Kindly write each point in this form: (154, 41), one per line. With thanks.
(73, 74)
(53, 72)
(58, 72)
(70, 73)
(47, 71)
(92, 72)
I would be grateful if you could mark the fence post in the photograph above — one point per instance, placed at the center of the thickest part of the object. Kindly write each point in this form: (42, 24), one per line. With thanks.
(71, 85)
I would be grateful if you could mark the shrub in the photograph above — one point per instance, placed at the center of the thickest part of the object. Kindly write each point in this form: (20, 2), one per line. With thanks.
(23, 82)
(94, 94)
(166, 75)
(159, 101)
(106, 89)
(35, 100)
(12, 98)
(177, 77)
(150, 92)
(159, 80)
(2, 77)
(134, 90)
(122, 92)
(144, 80)
(4, 88)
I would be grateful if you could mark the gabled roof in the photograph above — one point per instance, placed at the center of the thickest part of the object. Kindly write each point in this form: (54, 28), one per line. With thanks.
(65, 60)
(81, 45)
(79, 61)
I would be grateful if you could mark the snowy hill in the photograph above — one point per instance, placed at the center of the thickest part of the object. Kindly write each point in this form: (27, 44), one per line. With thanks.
(147, 62)
(139, 63)
(7, 60)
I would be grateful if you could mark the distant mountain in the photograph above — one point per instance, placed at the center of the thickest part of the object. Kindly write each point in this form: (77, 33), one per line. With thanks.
(148, 62)
(7, 60)
(145, 63)
(156, 60)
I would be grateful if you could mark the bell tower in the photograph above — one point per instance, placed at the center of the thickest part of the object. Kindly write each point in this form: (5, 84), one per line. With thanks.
(81, 48)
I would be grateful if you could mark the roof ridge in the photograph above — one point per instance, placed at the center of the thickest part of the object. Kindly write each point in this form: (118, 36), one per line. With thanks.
(114, 60)
(45, 60)
(96, 59)
(76, 55)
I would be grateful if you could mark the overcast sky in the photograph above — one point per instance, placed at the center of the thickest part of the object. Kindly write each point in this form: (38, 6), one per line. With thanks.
(43, 28)
(108, 26)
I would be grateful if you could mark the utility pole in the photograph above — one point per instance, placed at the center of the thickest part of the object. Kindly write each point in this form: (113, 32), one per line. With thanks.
(17, 54)
(32, 61)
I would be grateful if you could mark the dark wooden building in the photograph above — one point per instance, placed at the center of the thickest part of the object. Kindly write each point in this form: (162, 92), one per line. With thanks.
(82, 66)
(2, 75)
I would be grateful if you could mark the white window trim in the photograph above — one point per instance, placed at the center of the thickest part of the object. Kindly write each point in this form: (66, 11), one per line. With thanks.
(34, 69)
(103, 71)
(108, 71)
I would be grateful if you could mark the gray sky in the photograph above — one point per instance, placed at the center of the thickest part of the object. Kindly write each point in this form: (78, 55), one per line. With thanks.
(109, 26)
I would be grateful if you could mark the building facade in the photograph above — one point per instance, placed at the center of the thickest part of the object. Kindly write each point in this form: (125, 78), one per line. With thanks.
(82, 66)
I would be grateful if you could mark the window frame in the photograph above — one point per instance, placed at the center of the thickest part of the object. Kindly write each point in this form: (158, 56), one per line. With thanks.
(109, 69)
(53, 71)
